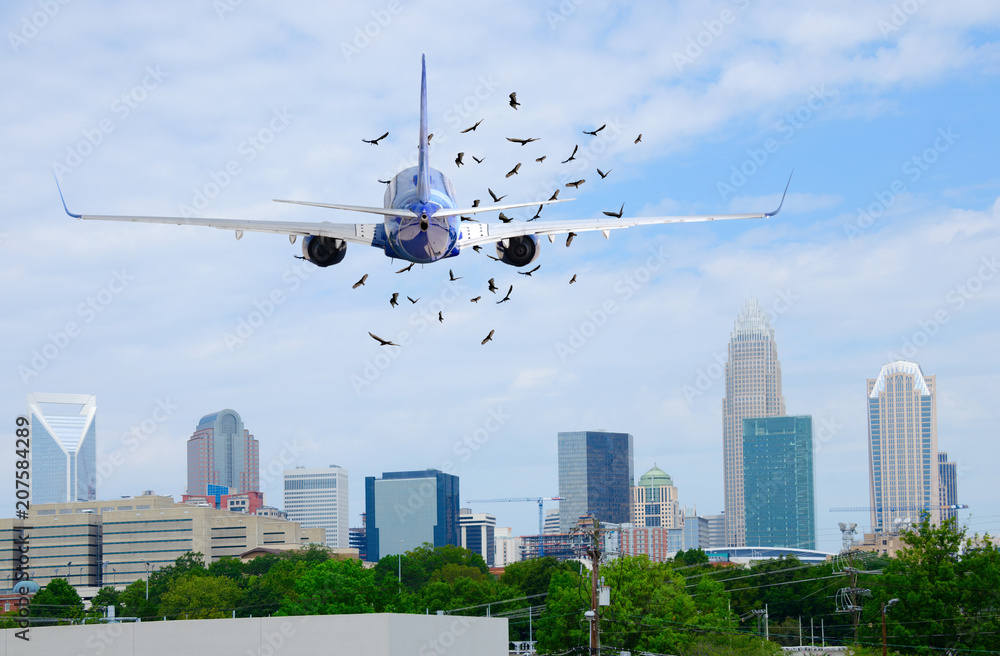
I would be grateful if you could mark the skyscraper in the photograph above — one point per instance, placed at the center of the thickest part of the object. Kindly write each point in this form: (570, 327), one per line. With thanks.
(654, 501)
(478, 531)
(317, 496)
(753, 389)
(948, 484)
(902, 446)
(222, 452)
(779, 500)
(403, 510)
(63, 447)
(595, 474)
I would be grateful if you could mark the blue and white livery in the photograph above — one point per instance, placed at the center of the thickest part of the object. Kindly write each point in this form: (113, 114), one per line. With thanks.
(421, 219)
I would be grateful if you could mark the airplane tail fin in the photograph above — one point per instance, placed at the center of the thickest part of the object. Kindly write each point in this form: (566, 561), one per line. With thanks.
(423, 165)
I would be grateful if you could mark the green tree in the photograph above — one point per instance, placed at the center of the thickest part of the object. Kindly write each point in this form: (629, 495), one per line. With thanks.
(562, 626)
(948, 591)
(57, 601)
(194, 596)
(532, 576)
(106, 596)
(336, 587)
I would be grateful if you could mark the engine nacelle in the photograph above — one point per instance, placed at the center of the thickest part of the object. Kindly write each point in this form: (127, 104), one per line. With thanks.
(324, 251)
(518, 251)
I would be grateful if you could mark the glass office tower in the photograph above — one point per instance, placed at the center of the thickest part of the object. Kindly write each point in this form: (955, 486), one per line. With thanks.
(63, 447)
(404, 510)
(779, 498)
(223, 452)
(595, 476)
(317, 497)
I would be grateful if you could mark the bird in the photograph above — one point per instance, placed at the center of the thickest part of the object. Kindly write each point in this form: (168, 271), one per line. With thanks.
(412, 300)
(528, 273)
(493, 288)
(575, 185)
(573, 155)
(573, 279)
(504, 218)
(360, 282)
(639, 138)
(429, 137)
(458, 159)
(555, 195)
(406, 268)
(602, 173)
(569, 239)
(496, 199)
(473, 128)
(382, 342)
(513, 99)
(374, 142)
(385, 181)
(441, 316)
(541, 159)
(594, 132)
(451, 276)
(617, 214)
(522, 141)
(538, 213)
(513, 171)
(507, 297)
(475, 300)
(497, 259)
(477, 248)
(475, 203)
(478, 161)
(489, 338)
(392, 301)
(468, 218)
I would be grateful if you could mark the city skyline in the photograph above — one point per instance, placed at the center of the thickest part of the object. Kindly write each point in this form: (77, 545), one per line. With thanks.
(222, 452)
(886, 247)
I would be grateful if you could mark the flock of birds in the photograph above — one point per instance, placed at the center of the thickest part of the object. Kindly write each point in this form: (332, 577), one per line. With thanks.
(460, 161)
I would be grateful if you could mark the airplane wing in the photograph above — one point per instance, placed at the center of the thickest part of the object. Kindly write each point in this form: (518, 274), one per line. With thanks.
(370, 234)
(474, 234)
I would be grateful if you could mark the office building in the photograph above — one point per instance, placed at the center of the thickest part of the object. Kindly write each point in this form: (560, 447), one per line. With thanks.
(63, 447)
(595, 476)
(654, 501)
(478, 534)
(95, 543)
(695, 533)
(405, 510)
(902, 446)
(948, 485)
(716, 530)
(508, 547)
(319, 497)
(551, 524)
(221, 497)
(650, 541)
(753, 389)
(779, 502)
(222, 452)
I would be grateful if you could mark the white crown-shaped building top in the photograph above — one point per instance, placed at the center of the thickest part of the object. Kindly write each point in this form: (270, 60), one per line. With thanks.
(752, 321)
(900, 367)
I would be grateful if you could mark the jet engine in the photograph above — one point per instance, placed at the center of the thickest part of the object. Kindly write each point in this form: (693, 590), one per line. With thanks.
(518, 251)
(323, 251)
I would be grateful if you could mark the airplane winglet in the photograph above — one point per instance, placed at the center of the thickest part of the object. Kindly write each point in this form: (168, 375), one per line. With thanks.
(770, 214)
(75, 216)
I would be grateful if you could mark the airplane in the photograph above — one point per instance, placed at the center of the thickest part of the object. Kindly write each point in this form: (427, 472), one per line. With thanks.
(422, 219)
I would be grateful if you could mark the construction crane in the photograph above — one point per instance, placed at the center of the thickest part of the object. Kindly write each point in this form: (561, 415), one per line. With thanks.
(538, 500)
(954, 506)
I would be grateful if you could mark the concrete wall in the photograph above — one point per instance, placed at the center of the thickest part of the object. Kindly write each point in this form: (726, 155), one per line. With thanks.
(377, 634)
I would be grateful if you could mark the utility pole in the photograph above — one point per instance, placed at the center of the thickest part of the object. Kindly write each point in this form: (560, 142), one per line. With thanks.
(885, 608)
(594, 551)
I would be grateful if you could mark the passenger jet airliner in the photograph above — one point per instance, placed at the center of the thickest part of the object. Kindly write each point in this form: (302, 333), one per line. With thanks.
(422, 220)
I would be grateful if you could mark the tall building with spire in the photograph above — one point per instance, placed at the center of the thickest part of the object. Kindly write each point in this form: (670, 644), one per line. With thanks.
(902, 446)
(222, 452)
(654, 501)
(753, 390)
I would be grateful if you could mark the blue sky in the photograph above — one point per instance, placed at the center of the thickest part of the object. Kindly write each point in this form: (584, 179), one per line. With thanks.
(886, 112)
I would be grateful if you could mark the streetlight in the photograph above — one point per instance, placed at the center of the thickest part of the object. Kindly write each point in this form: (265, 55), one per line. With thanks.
(69, 572)
(591, 617)
(885, 608)
(147, 580)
